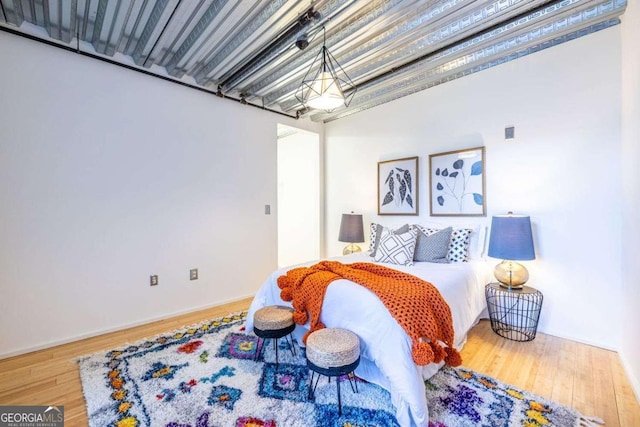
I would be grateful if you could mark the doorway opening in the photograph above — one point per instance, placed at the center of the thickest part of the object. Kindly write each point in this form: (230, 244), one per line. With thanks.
(298, 195)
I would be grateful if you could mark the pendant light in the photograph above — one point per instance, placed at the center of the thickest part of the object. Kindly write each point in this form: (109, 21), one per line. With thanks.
(325, 86)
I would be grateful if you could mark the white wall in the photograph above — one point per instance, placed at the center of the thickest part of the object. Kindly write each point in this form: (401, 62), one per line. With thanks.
(298, 198)
(630, 345)
(563, 169)
(108, 176)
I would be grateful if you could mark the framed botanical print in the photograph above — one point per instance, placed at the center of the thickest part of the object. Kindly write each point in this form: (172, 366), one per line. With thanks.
(398, 187)
(457, 183)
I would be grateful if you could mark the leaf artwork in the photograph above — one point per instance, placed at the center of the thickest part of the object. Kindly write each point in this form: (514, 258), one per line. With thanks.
(452, 184)
(400, 186)
(476, 169)
(388, 177)
(407, 178)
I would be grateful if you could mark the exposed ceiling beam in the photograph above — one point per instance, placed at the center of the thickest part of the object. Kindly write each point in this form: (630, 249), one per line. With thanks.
(287, 38)
(389, 48)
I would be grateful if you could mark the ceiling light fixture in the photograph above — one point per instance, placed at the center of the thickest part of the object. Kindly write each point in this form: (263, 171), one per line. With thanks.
(326, 86)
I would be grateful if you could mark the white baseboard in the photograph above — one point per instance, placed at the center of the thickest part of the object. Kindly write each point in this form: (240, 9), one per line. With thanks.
(606, 346)
(117, 328)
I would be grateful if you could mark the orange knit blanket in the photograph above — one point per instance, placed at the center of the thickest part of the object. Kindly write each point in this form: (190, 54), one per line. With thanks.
(415, 304)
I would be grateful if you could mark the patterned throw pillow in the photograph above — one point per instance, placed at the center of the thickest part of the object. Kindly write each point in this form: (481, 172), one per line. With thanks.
(458, 245)
(396, 248)
(375, 231)
(433, 247)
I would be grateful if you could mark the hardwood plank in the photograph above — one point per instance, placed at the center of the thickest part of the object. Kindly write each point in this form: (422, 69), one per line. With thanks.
(25, 389)
(583, 382)
(628, 406)
(542, 383)
(562, 390)
(69, 376)
(17, 362)
(534, 355)
(603, 387)
(482, 346)
(12, 378)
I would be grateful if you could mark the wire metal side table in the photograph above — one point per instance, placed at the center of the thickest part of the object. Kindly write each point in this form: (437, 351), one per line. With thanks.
(514, 313)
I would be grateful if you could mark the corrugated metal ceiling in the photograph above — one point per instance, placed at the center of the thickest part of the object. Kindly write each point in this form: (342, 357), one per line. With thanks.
(246, 50)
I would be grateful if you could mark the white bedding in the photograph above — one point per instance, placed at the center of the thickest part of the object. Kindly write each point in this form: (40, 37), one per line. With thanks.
(385, 347)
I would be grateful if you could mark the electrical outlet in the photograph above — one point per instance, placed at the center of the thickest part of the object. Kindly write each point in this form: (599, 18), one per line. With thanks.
(153, 280)
(267, 209)
(193, 274)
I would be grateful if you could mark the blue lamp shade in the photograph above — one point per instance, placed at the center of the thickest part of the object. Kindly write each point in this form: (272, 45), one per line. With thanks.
(511, 238)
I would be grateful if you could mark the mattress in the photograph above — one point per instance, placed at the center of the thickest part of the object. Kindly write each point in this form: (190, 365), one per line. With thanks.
(385, 347)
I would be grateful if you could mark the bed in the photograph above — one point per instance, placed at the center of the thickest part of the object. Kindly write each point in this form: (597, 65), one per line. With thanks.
(385, 347)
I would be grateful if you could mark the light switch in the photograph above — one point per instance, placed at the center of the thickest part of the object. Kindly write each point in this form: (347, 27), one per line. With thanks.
(509, 132)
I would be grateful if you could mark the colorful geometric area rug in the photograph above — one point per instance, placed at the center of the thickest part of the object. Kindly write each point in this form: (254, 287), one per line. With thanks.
(205, 376)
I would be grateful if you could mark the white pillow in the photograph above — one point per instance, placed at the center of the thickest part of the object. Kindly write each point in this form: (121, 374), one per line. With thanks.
(375, 231)
(396, 248)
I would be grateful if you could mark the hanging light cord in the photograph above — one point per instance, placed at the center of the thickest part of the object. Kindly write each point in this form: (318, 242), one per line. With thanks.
(324, 50)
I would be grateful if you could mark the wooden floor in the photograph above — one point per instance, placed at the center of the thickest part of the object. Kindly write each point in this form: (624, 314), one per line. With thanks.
(586, 378)
(589, 379)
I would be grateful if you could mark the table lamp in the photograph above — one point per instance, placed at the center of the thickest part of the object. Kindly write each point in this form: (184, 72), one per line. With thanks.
(511, 239)
(352, 232)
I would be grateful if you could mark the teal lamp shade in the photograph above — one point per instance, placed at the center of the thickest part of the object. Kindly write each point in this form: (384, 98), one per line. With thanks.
(511, 239)
(351, 231)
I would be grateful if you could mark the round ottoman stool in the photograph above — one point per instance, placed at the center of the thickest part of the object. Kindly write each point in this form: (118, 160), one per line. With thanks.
(273, 322)
(333, 352)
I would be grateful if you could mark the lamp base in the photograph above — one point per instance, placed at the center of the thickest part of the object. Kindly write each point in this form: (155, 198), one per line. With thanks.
(511, 275)
(351, 248)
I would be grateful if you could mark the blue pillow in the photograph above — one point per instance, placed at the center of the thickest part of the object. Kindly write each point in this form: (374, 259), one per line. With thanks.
(433, 247)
